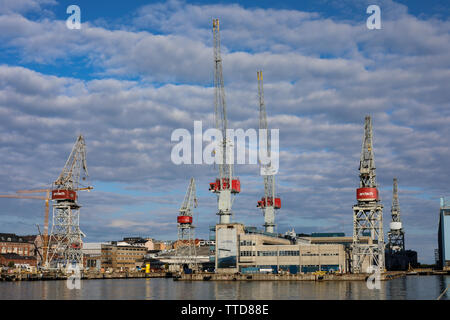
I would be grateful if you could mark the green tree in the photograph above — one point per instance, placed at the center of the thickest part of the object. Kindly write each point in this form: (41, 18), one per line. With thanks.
(11, 264)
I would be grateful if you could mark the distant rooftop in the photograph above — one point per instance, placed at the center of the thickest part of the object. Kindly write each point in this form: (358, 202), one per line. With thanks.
(12, 237)
(327, 234)
(255, 230)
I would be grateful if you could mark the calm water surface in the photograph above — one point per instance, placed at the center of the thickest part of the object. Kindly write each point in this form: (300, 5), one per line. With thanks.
(410, 287)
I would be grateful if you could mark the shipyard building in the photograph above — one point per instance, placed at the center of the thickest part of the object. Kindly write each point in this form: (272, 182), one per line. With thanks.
(247, 250)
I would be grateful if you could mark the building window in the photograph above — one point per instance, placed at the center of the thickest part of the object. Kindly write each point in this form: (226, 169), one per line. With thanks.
(247, 243)
(248, 253)
(267, 253)
(291, 253)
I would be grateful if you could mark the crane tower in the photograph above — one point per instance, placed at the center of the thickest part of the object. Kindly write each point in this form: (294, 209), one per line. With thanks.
(396, 235)
(66, 237)
(368, 212)
(269, 203)
(225, 185)
(186, 249)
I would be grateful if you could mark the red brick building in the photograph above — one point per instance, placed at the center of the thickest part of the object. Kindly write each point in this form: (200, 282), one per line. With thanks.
(7, 258)
(19, 249)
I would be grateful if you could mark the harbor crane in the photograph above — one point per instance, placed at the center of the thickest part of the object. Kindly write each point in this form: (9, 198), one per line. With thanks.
(226, 184)
(396, 235)
(269, 203)
(368, 212)
(66, 237)
(186, 249)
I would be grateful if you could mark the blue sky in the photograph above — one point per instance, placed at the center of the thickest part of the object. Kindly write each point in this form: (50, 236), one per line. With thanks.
(137, 70)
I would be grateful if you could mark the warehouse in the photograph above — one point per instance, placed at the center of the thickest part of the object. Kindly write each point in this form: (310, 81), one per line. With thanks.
(245, 250)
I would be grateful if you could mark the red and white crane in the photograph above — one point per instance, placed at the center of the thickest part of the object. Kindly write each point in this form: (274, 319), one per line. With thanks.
(226, 184)
(368, 212)
(65, 241)
(186, 250)
(270, 202)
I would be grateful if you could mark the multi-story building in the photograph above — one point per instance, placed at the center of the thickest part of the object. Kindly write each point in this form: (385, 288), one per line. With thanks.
(12, 243)
(92, 254)
(20, 250)
(162, 245)
(121, 255)
(17, 260)
(244, 249)
(444, 235)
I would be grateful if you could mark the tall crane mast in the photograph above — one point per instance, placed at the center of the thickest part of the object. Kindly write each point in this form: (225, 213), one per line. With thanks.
(368, 212)
(269, 202)
(186, 250)
(396, 235)
(226, 184)
(66, 237)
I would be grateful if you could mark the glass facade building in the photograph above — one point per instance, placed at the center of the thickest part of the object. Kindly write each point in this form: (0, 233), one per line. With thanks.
(444, 235)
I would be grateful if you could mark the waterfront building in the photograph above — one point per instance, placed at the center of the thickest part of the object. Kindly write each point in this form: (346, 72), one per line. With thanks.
(18, 260)
(444, 235)
(23, 246)
(121, 255)
(92, 254)
(247, 250)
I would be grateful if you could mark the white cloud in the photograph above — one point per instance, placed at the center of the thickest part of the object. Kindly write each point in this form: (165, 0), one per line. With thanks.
(22, 6)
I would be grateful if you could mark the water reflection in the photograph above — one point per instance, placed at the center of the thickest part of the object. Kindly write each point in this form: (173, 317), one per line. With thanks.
(444, 283)
(410, 287)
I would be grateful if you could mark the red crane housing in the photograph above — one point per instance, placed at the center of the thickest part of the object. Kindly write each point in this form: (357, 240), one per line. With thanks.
(235, 185)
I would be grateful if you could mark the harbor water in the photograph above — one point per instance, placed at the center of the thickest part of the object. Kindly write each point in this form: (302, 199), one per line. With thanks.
(407, 287)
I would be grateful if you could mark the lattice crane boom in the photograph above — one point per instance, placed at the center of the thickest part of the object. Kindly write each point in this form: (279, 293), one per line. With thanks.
(395, 209)
(74, 168)
(367, 161)
(190, 200)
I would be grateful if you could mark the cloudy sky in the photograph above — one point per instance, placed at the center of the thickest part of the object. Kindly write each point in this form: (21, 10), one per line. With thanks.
(137, 70)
